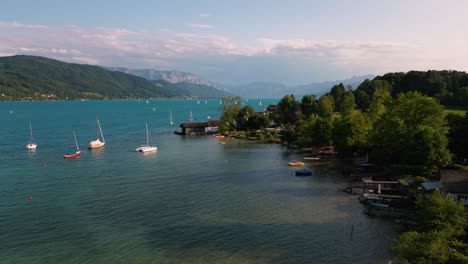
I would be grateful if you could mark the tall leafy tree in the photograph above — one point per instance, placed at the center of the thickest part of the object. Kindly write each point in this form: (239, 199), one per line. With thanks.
(347, 104)
(308, 105)
(287, 108)
(325, 106)
(411, 131)
(351, 132)
(440, 222)
(230, 106)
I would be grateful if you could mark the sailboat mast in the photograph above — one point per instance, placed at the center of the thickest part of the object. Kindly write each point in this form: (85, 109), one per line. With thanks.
(30, 132)
(76, 143)
(100, 131)
(147, 135)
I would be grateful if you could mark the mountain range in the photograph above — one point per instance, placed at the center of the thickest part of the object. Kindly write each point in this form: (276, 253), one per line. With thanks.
(249, 90)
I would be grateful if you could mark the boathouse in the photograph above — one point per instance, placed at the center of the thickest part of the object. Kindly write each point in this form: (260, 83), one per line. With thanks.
(199, 128)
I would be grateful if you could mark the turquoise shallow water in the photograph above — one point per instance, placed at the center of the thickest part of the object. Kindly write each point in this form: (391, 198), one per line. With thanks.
(194, 201)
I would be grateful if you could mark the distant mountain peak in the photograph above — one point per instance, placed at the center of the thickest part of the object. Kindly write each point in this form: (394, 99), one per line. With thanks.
(172, 76)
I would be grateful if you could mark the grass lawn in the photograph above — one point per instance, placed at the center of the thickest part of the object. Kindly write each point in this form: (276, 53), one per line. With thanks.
(456, 109)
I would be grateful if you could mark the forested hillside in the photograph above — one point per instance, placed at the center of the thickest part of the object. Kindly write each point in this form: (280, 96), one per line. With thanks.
(39, 78)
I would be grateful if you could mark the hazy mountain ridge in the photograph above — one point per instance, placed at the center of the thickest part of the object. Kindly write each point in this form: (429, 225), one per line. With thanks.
(278, 90)
(169, 76)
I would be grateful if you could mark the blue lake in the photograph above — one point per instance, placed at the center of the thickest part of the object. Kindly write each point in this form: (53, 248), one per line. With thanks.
(194, 201)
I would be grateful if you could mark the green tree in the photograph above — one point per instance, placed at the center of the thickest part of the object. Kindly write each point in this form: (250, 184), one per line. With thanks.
(411, 131)
(308, 105)
(243, 116)
(458, 131)
(347, 104)
(440, 222)
(351, 132)
(377, 103)
(325, 106)
(230, 107)
(441, 214)
(287, 108)
(337, 92)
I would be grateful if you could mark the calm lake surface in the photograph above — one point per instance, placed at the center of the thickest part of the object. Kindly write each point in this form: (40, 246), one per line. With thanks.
(194, 201)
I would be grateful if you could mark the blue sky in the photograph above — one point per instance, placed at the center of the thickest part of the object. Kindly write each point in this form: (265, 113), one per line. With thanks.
(293, 42)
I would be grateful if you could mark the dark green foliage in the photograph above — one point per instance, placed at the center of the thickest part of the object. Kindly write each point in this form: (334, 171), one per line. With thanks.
(411, 131)
(308, 105)
(30, 77)
(458, 135)
(440, 222)
(287, 108)
(347, 103)
(447, 86)
(350, 133)
(325, 106)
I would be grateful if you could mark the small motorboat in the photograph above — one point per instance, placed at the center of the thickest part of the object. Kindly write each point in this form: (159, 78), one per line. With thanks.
(303, 172)
(296, 163)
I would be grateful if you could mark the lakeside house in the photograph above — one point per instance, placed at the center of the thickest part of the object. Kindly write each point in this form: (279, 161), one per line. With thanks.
(199, 128)
(455, 183)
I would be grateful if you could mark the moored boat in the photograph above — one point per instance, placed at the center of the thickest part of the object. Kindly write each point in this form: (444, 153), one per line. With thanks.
(296, 163)
(147, 147)
(303, 172)
(31, 145)
(74, 153)
(97, 143)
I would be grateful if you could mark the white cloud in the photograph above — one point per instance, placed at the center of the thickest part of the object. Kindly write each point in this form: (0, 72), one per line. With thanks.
(200, 26)
(222, 59)
(205, 15)
(19, 25)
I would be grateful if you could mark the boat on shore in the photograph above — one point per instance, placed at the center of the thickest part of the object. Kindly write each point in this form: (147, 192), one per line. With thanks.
(296, 163)
(74, 153)
(147, 147)
(97, 143)
(31, 145)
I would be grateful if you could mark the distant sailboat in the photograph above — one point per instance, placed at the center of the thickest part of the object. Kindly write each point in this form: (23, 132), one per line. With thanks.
(74, 153)
(206, 102)
(190, 117)
(170, 119)
(198, 102)
(97, 143)
(147, 101)
(147, 147)
(31, 145)
(260, 104)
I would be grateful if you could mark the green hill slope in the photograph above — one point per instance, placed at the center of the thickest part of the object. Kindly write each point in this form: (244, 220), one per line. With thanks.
(38, 78)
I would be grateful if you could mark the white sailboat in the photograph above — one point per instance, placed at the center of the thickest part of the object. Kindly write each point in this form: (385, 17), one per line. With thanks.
(260, 104)
(170, 119)
(190, 117)
(31, 145)
(147, 147)
(97, 143)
